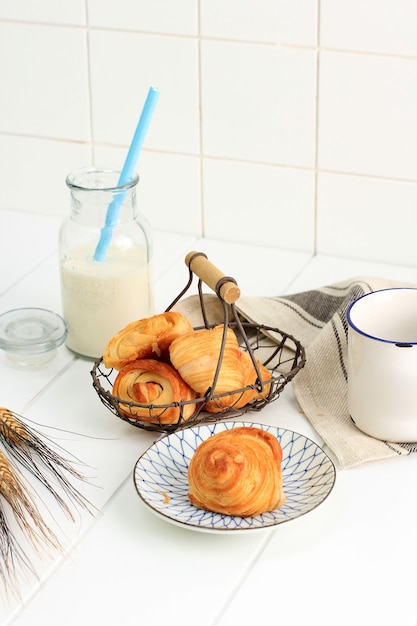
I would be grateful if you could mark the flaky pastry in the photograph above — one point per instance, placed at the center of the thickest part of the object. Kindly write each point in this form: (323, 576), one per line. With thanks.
(153, 383)
(145, 338)
(237, 472)
(196, 355)
(251, 379)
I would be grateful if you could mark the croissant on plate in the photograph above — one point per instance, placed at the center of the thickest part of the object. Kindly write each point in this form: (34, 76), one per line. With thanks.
(196, 355)
(145, 338)
(154, 383)
(237, 472)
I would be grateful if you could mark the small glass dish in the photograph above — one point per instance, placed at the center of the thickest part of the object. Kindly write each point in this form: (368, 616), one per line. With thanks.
(31, 336)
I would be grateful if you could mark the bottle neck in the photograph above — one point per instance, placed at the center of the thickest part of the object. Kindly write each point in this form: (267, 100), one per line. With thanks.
(97, 198)
(97, 208)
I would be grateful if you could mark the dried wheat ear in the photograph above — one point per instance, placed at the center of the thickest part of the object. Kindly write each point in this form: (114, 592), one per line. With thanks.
(24, 449)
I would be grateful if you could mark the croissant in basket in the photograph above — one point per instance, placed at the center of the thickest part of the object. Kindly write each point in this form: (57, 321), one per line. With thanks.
(195, 356)
(154, 383)
(237, 472)
(145, 338)
(250, 379)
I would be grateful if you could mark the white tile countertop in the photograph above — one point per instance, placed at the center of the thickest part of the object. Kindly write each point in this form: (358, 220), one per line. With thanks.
(346, 562)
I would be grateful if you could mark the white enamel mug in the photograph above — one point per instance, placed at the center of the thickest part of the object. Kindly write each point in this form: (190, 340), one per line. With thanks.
(382, 364)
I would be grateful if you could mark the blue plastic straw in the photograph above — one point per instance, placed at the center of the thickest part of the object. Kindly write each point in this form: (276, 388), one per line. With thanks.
(128, 169)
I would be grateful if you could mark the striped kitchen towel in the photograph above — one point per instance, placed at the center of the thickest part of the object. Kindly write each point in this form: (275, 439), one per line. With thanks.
(317, 318)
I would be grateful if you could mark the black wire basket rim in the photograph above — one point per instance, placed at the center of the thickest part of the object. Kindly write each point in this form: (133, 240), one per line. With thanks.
(277, 381)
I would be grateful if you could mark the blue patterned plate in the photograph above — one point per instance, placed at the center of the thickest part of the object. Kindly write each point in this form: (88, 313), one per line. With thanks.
(160, 477)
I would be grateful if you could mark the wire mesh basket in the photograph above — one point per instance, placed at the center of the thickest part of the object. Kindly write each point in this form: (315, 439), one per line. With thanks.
(281, 353)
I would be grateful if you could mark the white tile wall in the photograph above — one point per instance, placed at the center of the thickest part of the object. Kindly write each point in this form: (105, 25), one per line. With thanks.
(170, 201)
(44, 86)
(258, 102)
(70, 12)
(293, 23)
(33, 171)
(123, 65)
(292, 124)
(368, 115)
(233, 210)
(367, 218)
(159, 16)
(383, 26)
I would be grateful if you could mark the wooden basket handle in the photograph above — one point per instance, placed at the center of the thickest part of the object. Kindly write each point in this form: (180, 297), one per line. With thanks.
(208, 273)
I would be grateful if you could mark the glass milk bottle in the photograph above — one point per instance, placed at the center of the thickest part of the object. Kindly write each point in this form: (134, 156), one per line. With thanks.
(106, 273)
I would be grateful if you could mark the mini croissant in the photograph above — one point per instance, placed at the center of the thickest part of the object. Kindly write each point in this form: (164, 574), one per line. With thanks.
(195, 356)
(153, 383)
(237, 472)
(145, 338)
(250, 379)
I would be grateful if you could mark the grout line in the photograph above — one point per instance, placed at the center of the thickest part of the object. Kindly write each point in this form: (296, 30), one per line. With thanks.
(289, 166)
(221, 612)
(29, 271)
(50, 382)
(89, 86)
(200, 121)
(316, 138)
(288, 288)
(198, 36)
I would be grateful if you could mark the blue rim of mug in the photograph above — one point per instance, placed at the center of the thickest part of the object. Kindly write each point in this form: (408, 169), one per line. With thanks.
(399, 344)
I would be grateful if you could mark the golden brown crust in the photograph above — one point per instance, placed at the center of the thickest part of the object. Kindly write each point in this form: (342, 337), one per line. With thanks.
(155, 383)
(195, 356)
(237, 472)
(145, 338)
(250, 378)
(242, 398)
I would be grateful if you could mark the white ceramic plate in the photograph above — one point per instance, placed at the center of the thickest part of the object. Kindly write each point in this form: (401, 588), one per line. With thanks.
(160, 477)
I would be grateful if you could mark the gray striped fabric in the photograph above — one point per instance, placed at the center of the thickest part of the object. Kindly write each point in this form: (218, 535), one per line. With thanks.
(317, 318)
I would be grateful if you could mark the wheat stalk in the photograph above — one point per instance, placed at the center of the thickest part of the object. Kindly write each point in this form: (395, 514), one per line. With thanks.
(8, 483)
(10, 427)
(36, 454)
(39, 457)
(21, 504)
(11, 554)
